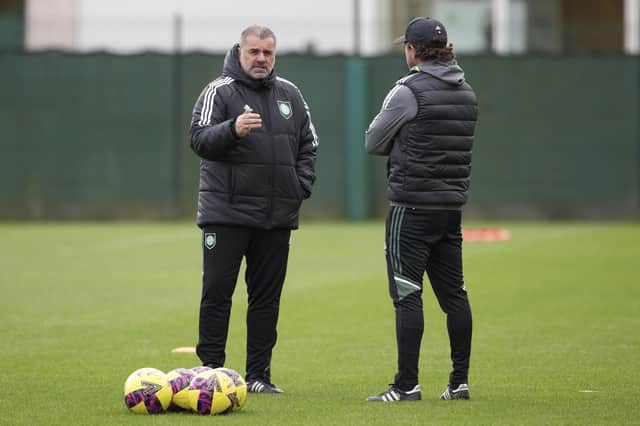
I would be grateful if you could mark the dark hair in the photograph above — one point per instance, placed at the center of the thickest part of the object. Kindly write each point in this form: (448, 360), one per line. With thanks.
(258, 31)
(439, 54)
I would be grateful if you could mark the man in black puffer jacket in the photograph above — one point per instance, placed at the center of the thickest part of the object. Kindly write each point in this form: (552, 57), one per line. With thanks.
(426, 127)
(253, 133)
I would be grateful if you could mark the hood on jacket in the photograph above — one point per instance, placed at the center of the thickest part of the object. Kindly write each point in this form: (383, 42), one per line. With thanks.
(450, 72)
(233, 69)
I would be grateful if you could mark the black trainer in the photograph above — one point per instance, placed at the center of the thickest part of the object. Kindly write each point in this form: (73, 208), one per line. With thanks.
(261, 386)
(395, 394)
(461, 392)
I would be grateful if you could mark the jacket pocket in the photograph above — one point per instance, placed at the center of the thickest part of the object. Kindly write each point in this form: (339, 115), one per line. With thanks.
(299, 190)
(286, 183)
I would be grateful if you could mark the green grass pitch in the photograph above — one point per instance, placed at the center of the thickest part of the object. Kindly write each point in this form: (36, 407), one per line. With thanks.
(556, 326)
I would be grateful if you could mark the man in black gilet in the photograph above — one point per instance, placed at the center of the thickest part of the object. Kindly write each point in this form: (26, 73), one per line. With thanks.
(426, 127)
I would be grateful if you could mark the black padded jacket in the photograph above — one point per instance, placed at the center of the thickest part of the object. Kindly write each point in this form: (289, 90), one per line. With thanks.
(260, 180)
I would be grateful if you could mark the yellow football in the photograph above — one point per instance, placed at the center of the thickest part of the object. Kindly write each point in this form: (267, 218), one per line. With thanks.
(211, 392)
(241, 388)
(147, 391)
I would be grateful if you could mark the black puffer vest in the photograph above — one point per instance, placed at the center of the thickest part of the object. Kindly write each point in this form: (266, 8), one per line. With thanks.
(430, 162)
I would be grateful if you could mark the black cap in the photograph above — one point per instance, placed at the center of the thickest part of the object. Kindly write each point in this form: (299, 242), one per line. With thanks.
(424, 31)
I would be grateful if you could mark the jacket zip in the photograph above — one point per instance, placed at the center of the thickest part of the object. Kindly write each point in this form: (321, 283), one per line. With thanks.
(266, 122)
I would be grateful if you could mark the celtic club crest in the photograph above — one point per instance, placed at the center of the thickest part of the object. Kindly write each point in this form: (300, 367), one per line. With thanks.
(285, 109)
(210, 240)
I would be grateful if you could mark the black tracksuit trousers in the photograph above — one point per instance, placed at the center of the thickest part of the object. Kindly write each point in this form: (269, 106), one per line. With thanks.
(266, 253)
(419, 240)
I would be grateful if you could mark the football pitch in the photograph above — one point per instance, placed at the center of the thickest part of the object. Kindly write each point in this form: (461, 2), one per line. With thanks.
(556, 326)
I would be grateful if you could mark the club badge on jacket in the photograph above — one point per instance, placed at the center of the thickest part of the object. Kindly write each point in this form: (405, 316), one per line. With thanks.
(285, 109)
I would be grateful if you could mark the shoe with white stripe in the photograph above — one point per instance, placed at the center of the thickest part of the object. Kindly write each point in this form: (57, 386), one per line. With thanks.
(395, 394)
(461, 392)
(260, 386)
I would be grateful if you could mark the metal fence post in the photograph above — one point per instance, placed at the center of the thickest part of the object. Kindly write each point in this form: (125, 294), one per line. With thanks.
(178, 134)
(357, 190)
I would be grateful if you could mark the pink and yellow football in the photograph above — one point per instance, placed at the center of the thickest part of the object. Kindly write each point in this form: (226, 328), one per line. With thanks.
(179, 380)
(212, 392)
(241, 388)
(147, 391)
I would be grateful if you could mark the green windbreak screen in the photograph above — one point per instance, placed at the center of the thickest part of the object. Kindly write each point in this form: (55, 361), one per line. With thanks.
(556, 137)
(106, 136)
(85, 135)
